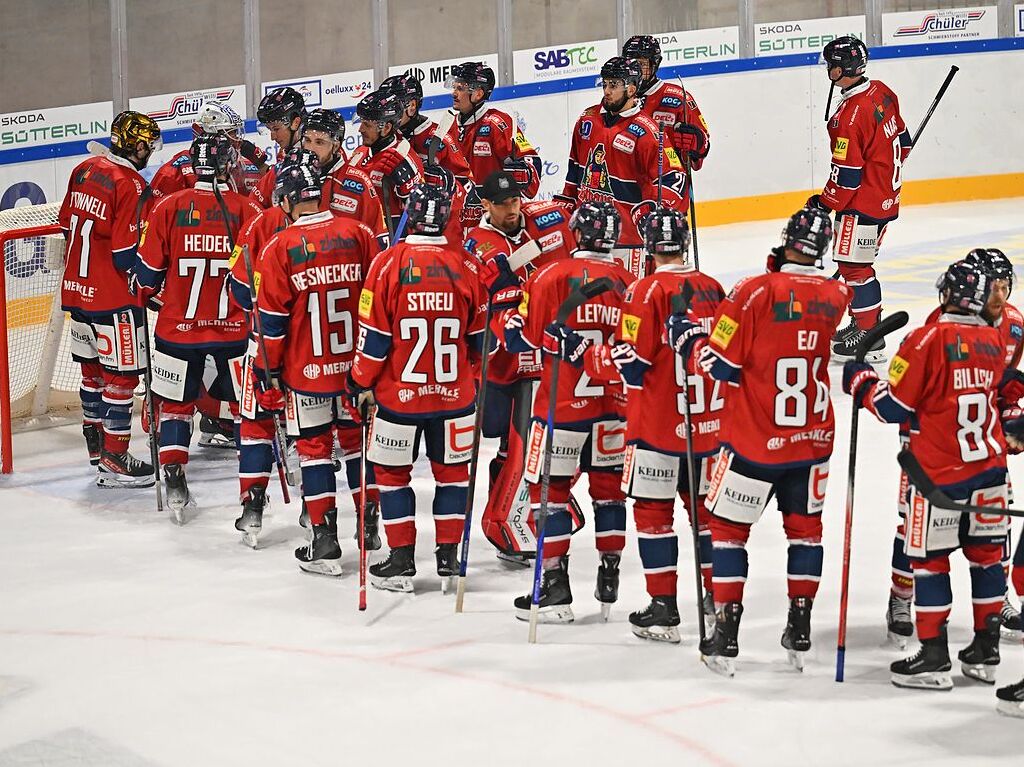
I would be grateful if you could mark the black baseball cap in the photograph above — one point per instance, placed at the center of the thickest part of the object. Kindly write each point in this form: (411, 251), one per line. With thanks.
(500, 186)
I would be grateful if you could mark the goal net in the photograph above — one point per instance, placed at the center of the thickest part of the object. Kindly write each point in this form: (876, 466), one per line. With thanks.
(37, 376)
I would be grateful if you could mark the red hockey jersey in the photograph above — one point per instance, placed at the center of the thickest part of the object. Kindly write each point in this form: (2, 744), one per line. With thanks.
(1011, 331)
(614, 158)
(449, 155)
(99, 217)
(255, 234)
(177, 174)
(487, 138)
(410, 169)
(669, 104)
(579, 398)
(773, 334)
(310, 278)
(654, 384)
(349, 192)
(945, 376)
(869, 143)
(186, 248)
(421, 314)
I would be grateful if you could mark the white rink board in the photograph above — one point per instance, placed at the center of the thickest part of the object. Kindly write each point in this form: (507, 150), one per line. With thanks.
(130, 641)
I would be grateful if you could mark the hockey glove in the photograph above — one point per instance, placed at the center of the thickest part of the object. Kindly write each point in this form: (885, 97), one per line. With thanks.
(775, 259)
(566, 203)
(683, 333)
(270, 397)
(497, 275)
(1013, 428)
(522, 171)
(1011, 387)
(252, 153)
(640, 211)
(692, 140)
(359, 399)
(565, 343)
(858, 377)
(814, 201)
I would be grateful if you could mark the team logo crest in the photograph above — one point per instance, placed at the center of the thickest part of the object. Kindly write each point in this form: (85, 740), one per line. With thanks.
(410, 274)
(958, 350)
(303, 252)
(188, 217)
(788, 311)
(595, 176)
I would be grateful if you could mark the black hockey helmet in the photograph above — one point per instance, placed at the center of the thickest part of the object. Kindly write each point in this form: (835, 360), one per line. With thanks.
(212, 154)
(282, 104)
(620, 68)
(326, 121)
(406, 87)
(429, 208)
(994, 262)
(380, 107)
(848, 53)
(297, 182)
(596, 225)
(666, 233)
(644, 47)
(475, 74)
(809, 232)
(296, 155)
(965, 285)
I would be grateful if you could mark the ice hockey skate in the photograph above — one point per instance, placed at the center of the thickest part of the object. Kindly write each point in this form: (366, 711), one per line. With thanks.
(371, 527)
(123, 470)
(213, 435)
(323, 554)
(847, 349)
(844, 332)
(555, 604)
(1012, 628)
(659, 621)
(899, 621)
(797, 636)
(1010, 700)
(709, 611)
(718, 651)
(981, 657)
(250, 523)
(517, 560)
(396, 572)
(93, 442)
(179, 500)
(607, 590)
(928, 669)
(447, 556)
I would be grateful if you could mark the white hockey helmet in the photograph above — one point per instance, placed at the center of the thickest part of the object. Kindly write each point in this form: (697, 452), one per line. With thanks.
(218, 117)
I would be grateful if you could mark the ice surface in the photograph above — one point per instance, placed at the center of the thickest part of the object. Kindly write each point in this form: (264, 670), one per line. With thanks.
(146, 643)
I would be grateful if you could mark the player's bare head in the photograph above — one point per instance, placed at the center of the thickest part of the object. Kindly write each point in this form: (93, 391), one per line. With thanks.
(1000, 273)
(429, 208)
(964, 288)
(807, 237)
(846, 60)
(596, 226)
(323, 134)
(646, 50)
(620, 82)
(471, 83)
(408, 90)
(378, 114)
(135, 136)
(297, 188)
(218, 117)
(282, 111)
(213, 155)
(666, 235)
(502, 200)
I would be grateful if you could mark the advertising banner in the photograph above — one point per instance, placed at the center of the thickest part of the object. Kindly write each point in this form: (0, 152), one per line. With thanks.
(936, 26)
(432, 74)
(696, 46)
(21, 130)
(557, 62)
(1018, 20)
(773, 38)
(335, 91)
(180, 110)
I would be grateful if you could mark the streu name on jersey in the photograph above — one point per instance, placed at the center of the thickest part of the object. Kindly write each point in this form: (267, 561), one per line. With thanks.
(431, 301)
(328, 274)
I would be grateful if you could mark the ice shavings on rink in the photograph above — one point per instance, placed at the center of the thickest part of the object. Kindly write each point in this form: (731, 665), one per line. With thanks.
(126, 640)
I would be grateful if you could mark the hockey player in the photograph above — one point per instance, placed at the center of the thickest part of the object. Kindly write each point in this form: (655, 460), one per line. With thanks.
(184, 255)
(869, 143)
(347, 191)
(945, 376)
(770, 338)
(384, 154)
(311, 275)
(100, 218)
(421, 320)
(282, 112)
(489, 139)
(508, 225)
(215, 118)
(669, 105)
(614, 158)
(588, 427)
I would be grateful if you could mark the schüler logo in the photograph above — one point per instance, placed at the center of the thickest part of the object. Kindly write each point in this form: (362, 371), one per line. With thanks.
(938, 21)
(560, 58)
(187, 104)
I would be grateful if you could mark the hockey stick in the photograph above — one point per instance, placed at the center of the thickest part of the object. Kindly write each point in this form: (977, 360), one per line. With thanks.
(364, 434)
(689, 183)
(474, 460)
(937, 498)
(681, 305)
(828, 104)
(150, 402)
(661, 159)
(385, 189)
(888, 325)
(576, 299)
(935, 102)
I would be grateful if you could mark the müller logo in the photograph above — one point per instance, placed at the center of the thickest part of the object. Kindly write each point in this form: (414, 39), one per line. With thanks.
(941, 22)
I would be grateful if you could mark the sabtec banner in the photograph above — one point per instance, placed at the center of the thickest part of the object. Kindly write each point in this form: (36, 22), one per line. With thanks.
(334, 91)
(433, 74)
(20, 130)
(696, 46)
(180, 110)
(557, 62)
(806, 36)
(940, 25)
